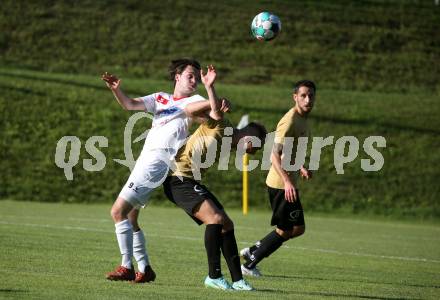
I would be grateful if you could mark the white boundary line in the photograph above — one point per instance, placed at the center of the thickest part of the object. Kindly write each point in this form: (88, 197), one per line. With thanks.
(328, 251)
(109, 221)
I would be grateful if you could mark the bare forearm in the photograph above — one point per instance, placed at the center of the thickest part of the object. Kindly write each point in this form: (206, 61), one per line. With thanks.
(122, 99)
(127, 102)
(276, 163)
(197, 108)
(214, 103)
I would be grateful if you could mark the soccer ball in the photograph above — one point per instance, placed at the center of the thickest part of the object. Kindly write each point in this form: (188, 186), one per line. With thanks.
(265, 26)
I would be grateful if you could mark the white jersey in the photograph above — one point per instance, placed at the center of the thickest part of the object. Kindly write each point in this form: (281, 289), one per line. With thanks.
(169, 131)
(170, 125)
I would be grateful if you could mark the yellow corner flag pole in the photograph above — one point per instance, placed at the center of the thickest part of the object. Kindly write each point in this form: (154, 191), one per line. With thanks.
(243, 122)
(245, 183)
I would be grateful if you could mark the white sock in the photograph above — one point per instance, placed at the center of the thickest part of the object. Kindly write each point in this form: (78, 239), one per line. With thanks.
(124, 234)
(139, 250)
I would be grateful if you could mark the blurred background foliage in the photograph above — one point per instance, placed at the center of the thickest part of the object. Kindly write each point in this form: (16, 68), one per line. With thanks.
(375, 64)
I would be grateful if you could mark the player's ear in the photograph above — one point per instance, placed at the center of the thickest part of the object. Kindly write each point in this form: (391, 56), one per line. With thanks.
(294, 97)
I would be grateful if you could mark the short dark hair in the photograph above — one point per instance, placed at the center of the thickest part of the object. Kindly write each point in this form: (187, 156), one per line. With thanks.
(307, 83)
(260, 129)
(177, 66)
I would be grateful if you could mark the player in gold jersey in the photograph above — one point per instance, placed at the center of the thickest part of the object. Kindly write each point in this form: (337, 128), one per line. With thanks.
(282, 185)
(184, 190)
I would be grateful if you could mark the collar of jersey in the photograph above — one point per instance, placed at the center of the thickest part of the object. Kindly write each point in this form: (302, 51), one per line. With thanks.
(179, 98)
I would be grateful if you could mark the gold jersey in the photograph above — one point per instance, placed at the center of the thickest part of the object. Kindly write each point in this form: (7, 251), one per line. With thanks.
(207, 135)
(294, 126)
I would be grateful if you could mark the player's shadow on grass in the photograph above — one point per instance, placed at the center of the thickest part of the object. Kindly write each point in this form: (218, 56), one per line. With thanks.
(354, 281)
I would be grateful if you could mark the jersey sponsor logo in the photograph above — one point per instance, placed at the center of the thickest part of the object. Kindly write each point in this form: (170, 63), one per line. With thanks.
(168, 111)
(294, 215)
(161, 99)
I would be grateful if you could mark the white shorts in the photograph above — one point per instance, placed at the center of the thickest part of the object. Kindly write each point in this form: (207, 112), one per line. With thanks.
(150, 171)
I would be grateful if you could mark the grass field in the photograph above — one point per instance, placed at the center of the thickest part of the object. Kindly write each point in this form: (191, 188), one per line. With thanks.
(370, 235)
(62, 251)
(391, 45)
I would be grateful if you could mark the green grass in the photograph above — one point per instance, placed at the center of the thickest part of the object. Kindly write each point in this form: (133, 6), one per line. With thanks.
(62, 251)
(365, 45)
(39, 108)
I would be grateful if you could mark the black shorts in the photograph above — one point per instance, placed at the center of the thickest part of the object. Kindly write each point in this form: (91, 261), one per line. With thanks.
(188, 194)
(285, 215)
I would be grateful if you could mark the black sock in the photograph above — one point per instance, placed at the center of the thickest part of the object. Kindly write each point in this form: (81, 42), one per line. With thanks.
(230, 252)
(213, 241)
(268, 245)
(254, 247)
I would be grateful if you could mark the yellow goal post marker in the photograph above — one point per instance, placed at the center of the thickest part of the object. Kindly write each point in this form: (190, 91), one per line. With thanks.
(243, 122)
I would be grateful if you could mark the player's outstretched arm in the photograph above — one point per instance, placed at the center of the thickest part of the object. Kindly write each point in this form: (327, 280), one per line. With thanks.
(208, 80)
(200, 110)
(196, 109)
(114, 83)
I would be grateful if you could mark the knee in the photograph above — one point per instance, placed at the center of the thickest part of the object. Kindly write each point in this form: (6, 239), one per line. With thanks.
(285, 234)
(119, 211)
(292, 233)
(216, 219)
(297, 231)
(116, 213)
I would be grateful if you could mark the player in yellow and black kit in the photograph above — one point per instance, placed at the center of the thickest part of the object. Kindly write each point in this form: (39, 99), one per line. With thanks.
(288, 216)
(199, 203)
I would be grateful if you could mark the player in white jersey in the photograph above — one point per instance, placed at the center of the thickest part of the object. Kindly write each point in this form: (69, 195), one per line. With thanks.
(170, 128)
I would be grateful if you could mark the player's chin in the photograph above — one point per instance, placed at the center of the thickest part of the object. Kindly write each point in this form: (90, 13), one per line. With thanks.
(190, 92)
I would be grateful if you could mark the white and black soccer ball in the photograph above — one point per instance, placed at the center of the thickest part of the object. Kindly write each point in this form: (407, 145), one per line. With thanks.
(265, 26)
